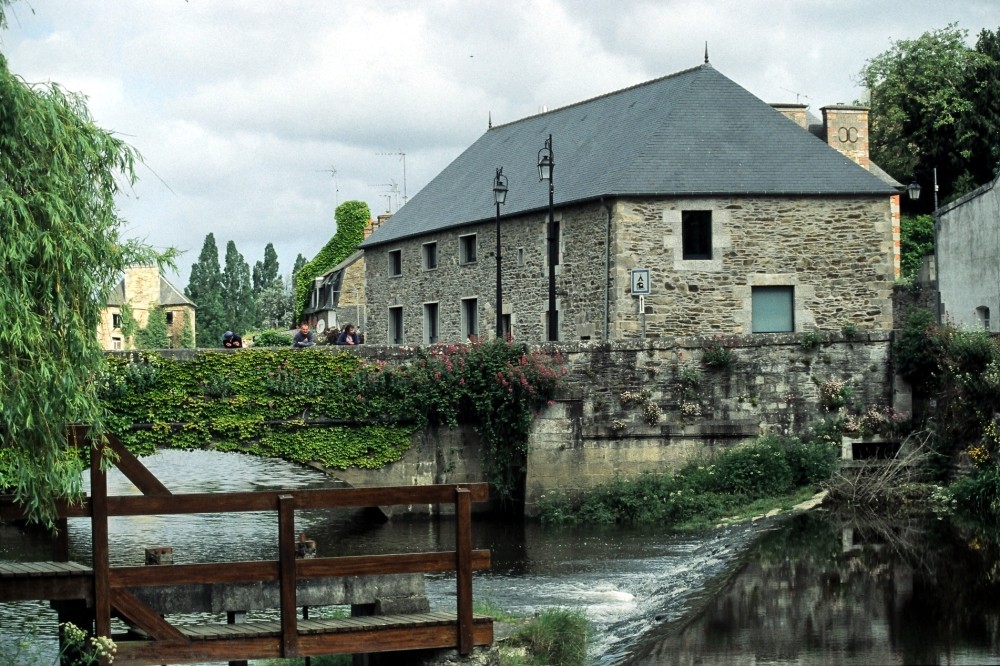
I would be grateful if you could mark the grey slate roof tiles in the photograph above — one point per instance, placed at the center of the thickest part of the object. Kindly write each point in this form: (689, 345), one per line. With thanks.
(692, 133)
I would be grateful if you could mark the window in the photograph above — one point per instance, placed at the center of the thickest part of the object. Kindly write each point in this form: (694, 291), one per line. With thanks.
(430, 256)
(170, 319)
(507, 331)
(395, 263)
(696, 234)
(773, 309)
(116, 321)
(116, 343)
(396, 326)
(467, 249)
(430, 323)
(983, 317)
(520, 256)
(470, 318)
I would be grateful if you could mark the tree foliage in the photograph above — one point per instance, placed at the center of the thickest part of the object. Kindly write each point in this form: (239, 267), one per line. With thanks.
(61, 252)
(274, 306)
(265, 272)
(155, 335)
(916, 242)
(237, 293)
(925, 95)
(205, 289)
(352, 216)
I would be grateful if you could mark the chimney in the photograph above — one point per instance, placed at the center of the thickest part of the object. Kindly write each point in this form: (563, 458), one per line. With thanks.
(794, 112)
(846, 129)
(376, 224)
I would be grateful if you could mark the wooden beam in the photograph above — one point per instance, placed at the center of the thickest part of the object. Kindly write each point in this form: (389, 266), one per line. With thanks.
(286, 555)
(134, 470)
(142, 616)
(463, 549)
(99, 543)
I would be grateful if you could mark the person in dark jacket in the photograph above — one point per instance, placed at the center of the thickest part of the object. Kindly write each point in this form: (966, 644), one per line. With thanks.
(231, 341)
(349, 336)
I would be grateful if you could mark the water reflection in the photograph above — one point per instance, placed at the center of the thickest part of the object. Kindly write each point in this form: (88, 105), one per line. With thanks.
(847, 590)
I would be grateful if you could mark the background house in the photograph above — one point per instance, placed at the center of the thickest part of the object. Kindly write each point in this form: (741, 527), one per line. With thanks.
(338, 296)
(143, 288)
(745, 220)
(968, 258)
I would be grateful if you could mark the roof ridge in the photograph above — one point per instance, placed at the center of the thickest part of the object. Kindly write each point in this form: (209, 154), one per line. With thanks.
(612, 93)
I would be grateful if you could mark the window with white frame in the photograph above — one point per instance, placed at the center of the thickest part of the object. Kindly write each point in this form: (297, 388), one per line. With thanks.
(983, 317)
(395, 336)
(470, 318)
(395, 263)
(429, 252)
(696, 234)
(467, 249)
(773, 309)
(431, 323)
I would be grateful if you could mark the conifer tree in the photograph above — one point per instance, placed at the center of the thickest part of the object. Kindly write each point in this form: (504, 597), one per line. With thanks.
(266, 272)
(237, 292)
(205, 289)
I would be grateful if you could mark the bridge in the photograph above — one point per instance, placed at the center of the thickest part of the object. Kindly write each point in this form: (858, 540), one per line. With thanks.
(99, 592)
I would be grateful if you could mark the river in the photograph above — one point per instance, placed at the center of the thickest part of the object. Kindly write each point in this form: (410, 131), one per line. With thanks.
(813, 589)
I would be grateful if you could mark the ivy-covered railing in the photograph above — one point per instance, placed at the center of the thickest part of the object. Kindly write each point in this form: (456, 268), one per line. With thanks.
(329, 406)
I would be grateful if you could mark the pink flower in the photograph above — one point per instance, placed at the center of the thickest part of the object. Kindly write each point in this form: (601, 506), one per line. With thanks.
(437, 375)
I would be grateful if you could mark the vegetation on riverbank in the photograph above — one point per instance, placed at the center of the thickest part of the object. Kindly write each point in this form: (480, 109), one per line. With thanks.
(702, 491)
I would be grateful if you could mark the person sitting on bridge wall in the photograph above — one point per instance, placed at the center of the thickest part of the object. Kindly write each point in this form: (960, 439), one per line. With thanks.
(303, 337)
(349, 336)
(231, 341)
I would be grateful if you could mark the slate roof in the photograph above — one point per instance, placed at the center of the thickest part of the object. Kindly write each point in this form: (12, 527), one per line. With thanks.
(169, 294)
(695, 132)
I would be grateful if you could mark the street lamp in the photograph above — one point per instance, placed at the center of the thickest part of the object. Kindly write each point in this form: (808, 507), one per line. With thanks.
(546, 169)
(913, 189)
(499, 197)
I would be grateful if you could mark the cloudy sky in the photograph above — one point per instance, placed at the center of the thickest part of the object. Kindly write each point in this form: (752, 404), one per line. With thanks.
(255, 118)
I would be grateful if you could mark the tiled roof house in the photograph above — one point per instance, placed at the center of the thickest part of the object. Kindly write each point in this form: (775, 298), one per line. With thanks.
(144, 287)
(745, 221)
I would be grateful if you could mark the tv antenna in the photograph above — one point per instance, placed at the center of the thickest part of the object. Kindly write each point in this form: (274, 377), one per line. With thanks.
(798, 95)
(336, 186)
(393, 193)
(402, 157)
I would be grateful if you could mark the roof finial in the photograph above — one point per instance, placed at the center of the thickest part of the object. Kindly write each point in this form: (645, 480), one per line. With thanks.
(706, 52)
(490, 124)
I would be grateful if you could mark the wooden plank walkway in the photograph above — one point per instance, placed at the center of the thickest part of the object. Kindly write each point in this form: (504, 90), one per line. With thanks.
(29, 581)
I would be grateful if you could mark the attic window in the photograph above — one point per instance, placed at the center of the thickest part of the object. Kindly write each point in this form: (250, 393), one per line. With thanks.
(170, 319)
(696, 233)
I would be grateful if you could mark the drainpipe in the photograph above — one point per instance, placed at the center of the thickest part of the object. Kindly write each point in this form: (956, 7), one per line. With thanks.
(607, 270)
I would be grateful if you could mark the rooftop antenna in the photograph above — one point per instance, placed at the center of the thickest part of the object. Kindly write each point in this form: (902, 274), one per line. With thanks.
(797, 95)
(336, 186)
(393, 193)
(706, 52)
(402, 157)
(489, 124)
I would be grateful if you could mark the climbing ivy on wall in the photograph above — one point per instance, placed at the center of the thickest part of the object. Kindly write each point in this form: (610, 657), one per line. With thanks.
(279, 402)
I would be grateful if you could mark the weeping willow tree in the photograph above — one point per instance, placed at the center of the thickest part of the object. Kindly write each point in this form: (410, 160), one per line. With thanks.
(61, 252)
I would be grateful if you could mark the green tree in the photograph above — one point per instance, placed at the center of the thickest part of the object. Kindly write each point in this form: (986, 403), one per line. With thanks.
(274, 306)
(156, 334)
(265, 272)
(919, 96)
(185, 335)
(352, 217)
(981, 128)
(237, 292)
(62, 253)
(916, 241)
(205, 289)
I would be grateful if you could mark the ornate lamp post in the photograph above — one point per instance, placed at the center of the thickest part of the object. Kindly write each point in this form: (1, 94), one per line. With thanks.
(499, 198)
(546, 169)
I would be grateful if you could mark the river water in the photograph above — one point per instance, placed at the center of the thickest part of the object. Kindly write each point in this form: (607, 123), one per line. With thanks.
(812, 589)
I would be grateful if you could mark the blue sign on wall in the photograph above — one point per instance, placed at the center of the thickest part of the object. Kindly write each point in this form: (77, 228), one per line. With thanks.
(640, 281)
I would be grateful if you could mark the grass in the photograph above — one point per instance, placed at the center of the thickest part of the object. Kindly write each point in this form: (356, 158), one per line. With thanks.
(556, 636)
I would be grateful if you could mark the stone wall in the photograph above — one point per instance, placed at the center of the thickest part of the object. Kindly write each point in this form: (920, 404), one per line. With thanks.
(836, 254)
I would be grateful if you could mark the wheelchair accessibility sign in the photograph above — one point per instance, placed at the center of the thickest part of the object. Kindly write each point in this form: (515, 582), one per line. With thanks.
(640, 281)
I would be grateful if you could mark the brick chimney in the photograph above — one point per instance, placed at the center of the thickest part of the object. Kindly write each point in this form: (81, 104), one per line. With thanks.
(794, 112)
(376, 224)
(846, 129)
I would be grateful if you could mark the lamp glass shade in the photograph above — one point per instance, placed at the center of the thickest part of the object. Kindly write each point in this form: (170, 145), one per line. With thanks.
(545, 167)
(913, 189)
(500, 191)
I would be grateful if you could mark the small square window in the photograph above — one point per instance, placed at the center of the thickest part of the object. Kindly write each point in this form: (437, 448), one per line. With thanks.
(396, 326)
(170, 319)
(696, 233)
(395, 263)
(430, 256)
(430, 323)
(467, 249)
(773, 309)
(470, 318)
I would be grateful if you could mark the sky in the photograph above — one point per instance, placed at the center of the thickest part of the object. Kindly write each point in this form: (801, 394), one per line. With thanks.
(255, 119)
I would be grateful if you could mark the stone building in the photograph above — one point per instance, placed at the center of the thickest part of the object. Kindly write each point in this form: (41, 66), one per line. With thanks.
(742, 219)
(143, 288)
(968, 258)
(338, 296)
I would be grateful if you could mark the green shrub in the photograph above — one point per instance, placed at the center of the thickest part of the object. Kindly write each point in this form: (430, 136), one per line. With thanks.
(272, 339)
(556, 636)
(979, 494)
(719, 352)
(918, 350)
(810, 340)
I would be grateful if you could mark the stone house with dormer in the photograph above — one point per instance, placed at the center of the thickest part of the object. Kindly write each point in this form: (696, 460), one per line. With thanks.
(743, 219)
(142, 288)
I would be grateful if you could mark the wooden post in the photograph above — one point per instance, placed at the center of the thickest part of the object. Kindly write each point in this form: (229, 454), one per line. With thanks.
(463, 553)
(287, 568)
(99, 532)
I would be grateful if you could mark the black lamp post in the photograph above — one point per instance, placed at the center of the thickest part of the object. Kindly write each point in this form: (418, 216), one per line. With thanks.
(499, 197)
(546, 169)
